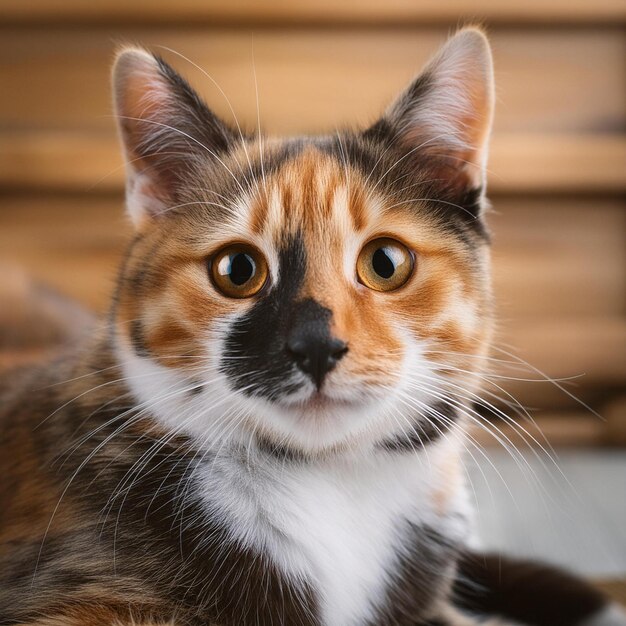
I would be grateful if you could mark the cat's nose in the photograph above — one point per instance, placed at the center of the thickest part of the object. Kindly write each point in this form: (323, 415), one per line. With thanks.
(315, 355)
(310, 343)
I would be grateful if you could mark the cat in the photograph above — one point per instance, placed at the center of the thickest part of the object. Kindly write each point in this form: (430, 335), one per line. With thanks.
(270, 428)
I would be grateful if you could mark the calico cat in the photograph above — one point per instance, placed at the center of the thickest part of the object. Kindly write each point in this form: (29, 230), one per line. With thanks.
(270, 428)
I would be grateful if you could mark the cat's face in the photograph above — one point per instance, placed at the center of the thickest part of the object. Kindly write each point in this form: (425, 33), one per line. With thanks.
(316, 293)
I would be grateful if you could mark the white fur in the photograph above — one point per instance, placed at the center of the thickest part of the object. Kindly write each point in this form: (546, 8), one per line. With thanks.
(363, 413)
(337, 523)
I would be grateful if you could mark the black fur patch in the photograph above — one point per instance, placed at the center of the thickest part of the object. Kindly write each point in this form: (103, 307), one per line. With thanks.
(524, 591)
(425, 565)
(137, 339)
(279, 452)
(405, 176)
(427, 429)
(255, 358)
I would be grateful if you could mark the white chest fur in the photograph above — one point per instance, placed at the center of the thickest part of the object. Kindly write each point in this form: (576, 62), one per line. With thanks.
(336, 524)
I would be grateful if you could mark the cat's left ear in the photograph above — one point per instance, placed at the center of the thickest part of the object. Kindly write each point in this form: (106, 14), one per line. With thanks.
(442, 122)
(167, 132)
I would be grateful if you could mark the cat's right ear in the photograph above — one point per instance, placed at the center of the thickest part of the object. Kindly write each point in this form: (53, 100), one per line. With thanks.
(166, 131)
(442, 122)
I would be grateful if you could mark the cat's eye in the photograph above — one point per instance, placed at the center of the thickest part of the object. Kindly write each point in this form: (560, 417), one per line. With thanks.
(238, 271)
(385, 264)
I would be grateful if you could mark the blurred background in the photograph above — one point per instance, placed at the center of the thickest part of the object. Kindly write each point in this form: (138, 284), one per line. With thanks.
(557, 181)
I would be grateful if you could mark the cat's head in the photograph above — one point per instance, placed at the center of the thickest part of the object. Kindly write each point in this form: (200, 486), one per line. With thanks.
(314, 293)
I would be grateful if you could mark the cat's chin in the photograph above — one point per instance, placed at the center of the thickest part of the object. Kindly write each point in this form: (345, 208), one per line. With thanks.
(319, 422)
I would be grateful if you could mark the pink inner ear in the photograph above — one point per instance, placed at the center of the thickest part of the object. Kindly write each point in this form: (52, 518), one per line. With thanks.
(452, 118)
(463, 119)
(145, 199)
(136, 73)
(146, 108)
(476, 124)
(141, 94)
(143, 106)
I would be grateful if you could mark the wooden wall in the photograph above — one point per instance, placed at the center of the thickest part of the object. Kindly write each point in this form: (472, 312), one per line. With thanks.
(557, 172)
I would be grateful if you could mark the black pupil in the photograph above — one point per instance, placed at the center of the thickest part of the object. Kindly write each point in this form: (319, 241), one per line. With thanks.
(382, 263)
(241, 268)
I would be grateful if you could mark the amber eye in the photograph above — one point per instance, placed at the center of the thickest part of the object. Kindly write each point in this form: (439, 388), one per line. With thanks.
(384, 264)
(238, 271)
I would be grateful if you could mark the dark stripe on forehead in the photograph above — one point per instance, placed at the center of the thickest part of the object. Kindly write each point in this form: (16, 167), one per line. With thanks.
(266, 161)
(408, 179)
(255, 359)
(212, 193)
(363, 154)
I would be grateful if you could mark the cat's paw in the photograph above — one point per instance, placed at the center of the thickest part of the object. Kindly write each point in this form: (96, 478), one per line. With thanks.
(612, 615)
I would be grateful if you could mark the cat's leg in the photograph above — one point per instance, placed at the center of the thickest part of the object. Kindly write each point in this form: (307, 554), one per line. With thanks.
(530, 593)
(450, 616)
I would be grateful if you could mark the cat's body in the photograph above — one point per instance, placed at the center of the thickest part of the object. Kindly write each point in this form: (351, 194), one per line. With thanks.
(271, 428)
(333, 540)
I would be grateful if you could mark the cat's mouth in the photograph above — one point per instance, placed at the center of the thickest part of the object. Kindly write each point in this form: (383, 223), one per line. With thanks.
(317, 421)
(320, 401)
(332, 399)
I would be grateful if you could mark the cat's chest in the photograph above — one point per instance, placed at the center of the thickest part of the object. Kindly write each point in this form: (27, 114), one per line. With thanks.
(340, 527)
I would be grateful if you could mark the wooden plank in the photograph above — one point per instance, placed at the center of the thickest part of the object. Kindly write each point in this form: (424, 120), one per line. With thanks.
(73, 244)
(519, 163)
(615, 414)
(306, 11)
(560, 430)
(544, 163)
(548, 81)
(57, 161)
(590, 351)
(555, 258)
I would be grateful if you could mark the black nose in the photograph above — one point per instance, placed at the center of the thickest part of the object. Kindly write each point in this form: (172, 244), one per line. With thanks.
(316, 356)
(309, 342)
